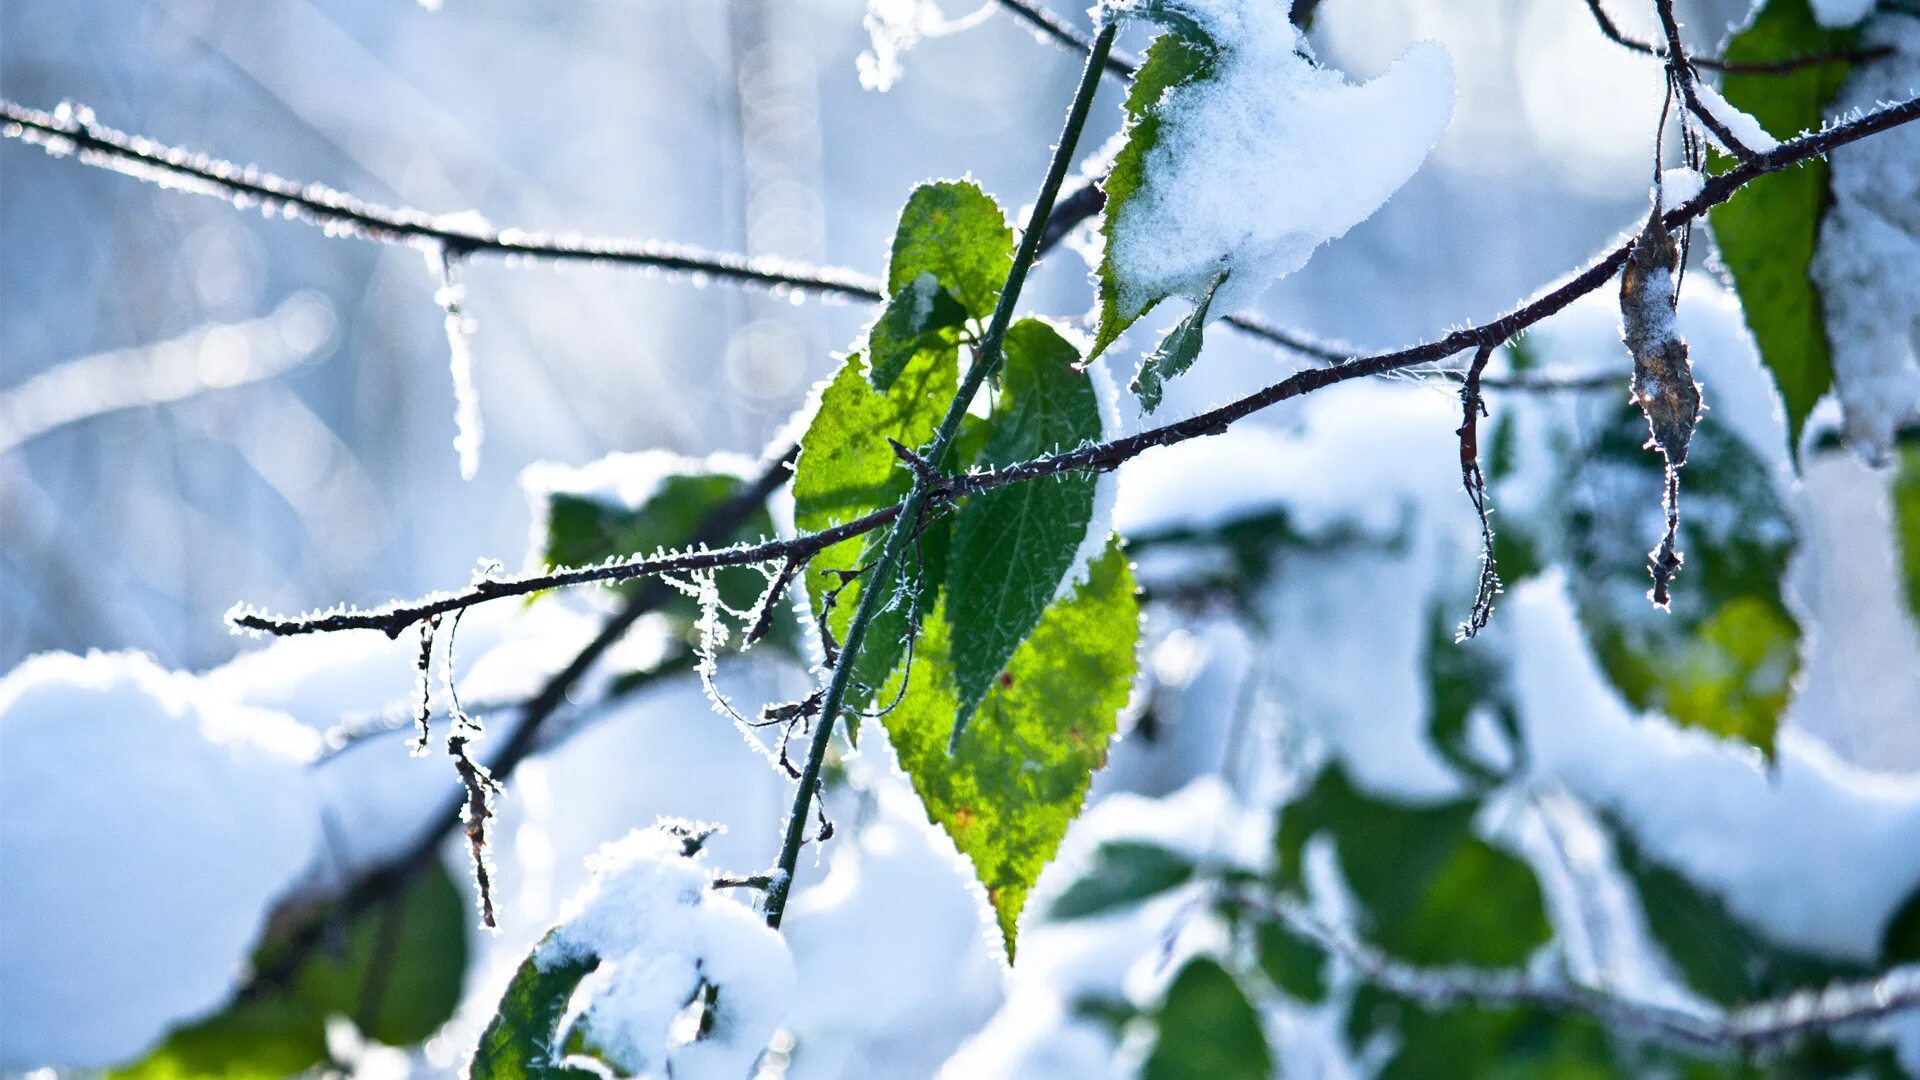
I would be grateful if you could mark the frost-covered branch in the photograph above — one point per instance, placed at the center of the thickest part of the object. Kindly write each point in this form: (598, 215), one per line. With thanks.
(1611, 30)
(393, 878)
(1062, 33)
(1751, 1027)
(1680, 69)
(73, 130)
(1102, 457)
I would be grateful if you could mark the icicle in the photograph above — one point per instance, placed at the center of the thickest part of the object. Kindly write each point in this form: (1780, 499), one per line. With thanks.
(451, 297)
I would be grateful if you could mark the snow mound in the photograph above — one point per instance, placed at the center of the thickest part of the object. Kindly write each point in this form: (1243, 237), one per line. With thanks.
(661, 931)
(147, 832)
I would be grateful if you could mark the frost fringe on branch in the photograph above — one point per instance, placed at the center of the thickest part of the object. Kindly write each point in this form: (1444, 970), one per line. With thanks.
(395, 618)
(1746, 1028)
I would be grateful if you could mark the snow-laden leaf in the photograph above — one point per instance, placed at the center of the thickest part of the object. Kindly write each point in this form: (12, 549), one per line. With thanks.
(922, 317)
(283, 1031)
(1176, 353)
(1725, 657)
(1008, 791)
(523, 1040)
(1207, 1029)
(1297, 966)
(1242, 155)
(1176, 58)
(1429, 890)
(1123, 873)
(846, 469)
(1767, 232)
(957, 233)
(1906, 520)
(1013, 546)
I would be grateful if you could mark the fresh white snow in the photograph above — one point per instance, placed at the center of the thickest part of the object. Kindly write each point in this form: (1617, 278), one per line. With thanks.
(1272, 157)
(147, 831)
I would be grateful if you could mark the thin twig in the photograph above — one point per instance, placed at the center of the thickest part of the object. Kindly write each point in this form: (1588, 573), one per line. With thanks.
(73, 130)
(1760, 1025)
(1062, 33)
(1104, 457)
(395, 876)
(1612, 32)
(1681, 71)
(1472, 407)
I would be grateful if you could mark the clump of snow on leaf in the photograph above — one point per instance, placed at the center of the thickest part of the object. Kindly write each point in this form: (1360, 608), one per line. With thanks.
(1868, 261)
(662, 933)
(1269, 158)
(148, 832)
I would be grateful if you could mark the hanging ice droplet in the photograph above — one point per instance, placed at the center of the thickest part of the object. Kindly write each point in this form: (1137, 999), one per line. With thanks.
(451, 296)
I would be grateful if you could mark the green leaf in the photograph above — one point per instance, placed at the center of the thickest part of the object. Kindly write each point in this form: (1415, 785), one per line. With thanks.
(1297, 966)
(580, 530)
(847, 469)
(955, 232)
(1767, 232)
(523, 1040)
(1429, 890)
(1013, 545)
(1208, 1030)
(1176, 352)
(1906, 519)
(1176, 58)
(1717, 955)
(1725, 657)
(1124, 873)
(259, 1041)
(1008, 791)
(283, 1031)
(922, 317)
(1488, 1043)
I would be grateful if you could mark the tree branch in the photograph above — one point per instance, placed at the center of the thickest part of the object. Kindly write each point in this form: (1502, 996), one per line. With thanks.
(73, 130)
(1750, 1027)
(1612, 32)
(393, 878)
(1103, 457)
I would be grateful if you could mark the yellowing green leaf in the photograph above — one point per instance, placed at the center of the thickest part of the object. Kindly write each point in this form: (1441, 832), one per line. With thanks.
(1906, 520)
(1008, 791)
(847, 469)
(957, 233)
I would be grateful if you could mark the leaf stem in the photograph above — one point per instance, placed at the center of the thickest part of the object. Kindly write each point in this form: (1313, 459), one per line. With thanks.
(986, 358)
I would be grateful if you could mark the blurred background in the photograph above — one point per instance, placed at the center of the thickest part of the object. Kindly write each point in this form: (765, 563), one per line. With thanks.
(308, 459)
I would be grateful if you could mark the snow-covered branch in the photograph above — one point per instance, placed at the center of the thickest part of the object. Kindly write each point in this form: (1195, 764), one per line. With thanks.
(1101, 457)
(1749, 1027)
